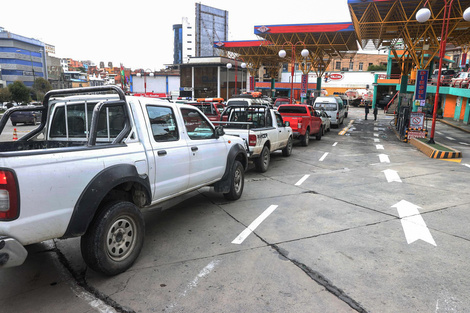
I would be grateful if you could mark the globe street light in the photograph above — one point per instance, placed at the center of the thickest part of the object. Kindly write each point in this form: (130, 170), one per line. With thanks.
(282, 53)
(422, 16)
(150, 73)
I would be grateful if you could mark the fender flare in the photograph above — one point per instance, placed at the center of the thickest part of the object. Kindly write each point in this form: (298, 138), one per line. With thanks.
(223, 185)
(96, 190)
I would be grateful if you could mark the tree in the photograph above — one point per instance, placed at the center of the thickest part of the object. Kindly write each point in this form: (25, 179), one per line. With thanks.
(19, 92)
(5, 95)
(40, 87)
(377, 67)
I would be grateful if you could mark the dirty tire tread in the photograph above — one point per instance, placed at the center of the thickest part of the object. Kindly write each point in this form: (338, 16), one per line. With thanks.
(235, 193)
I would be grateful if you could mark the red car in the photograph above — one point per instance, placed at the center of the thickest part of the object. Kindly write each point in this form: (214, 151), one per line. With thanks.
(303, 120)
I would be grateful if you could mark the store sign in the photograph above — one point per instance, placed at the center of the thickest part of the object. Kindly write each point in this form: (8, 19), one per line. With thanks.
(416, 134)
(336, 76)
(421, 84)
(304, 84)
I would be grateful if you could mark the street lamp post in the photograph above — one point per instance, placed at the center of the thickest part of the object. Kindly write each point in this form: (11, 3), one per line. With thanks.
(229, 66)
(243, 65)
(422, 16)
(283, 54)
(150, 73)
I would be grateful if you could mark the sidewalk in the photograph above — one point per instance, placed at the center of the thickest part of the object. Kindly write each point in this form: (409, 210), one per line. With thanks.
(457, 124)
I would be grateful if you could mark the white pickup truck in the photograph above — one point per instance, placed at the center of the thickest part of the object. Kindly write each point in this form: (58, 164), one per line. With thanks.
(96, 160)
(262, 127)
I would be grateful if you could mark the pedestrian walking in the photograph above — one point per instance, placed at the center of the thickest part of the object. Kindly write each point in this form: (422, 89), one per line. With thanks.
(366, 108)
(376, 110)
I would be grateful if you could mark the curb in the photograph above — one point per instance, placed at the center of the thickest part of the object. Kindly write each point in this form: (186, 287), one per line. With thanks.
(453, 125)
(435, 153)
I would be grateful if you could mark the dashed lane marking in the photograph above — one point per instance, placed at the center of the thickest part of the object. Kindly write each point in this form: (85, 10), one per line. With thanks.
(301, 181)
(334, 145)
(251, 228)
(450, 138)
(323, 157)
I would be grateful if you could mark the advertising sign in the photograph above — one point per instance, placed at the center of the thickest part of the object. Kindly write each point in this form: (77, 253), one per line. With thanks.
(303, 85)
(252, 83)
(421, 84)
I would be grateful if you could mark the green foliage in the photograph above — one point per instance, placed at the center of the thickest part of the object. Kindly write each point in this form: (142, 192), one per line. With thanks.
(5, 95)
(40, 87)
(19, 92)
(377, 67)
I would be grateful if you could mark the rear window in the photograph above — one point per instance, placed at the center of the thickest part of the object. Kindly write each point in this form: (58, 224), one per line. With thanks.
(448, 72)
(238, 102)
(292, 109)
(327, 106)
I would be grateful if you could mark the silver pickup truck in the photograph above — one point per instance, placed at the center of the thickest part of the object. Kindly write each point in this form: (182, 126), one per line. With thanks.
(98, 158)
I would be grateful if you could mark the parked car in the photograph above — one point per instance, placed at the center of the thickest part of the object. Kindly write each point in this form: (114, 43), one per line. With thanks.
(460, 80)
(333, 106)
(280, 101)
(25, 117)
(446, 77)
(325, 121)
(303, 120)
(211, 109)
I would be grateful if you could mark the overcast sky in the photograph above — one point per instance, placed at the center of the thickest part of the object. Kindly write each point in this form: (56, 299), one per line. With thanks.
(139, 33)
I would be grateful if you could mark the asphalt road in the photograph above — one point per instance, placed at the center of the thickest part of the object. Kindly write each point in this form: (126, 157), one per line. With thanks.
(358, 222)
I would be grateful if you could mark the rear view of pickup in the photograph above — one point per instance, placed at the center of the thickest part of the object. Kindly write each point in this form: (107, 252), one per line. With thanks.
(95, 161)
(303, 120)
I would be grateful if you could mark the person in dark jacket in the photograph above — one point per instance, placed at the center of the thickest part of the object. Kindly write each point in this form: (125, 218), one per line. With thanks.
(376, 110)
(366, 104)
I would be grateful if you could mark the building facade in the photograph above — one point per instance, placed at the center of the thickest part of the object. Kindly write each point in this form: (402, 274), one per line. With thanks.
(21, 58)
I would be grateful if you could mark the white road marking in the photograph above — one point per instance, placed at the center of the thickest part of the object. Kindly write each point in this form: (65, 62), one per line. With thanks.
(376, 129)
(413, 223)
(376, 135)
(467, 165)
(323, 157)
(439, 133)
(464, 143)
(384, 158)
(334, 145)
(450, 138)
(376, 140)
(392, 176)
(379, 147)
(251, 228)
(193, 284)
(300, 182)
(92, 300)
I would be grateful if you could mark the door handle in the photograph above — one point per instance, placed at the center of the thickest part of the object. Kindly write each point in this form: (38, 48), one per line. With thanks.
(161, 152)
(194, 148)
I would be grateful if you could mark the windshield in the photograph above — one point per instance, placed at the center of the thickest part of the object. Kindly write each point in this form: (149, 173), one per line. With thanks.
(327, 106)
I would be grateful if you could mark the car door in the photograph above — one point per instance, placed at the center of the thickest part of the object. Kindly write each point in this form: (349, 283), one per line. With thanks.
(282, 133)
(315, 121)
(171, 152)
(206, 163)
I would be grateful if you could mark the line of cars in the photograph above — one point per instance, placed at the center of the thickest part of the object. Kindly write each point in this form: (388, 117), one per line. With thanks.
(452, 78)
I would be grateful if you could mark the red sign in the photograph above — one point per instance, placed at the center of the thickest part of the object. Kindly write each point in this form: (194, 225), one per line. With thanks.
(416, 134)
(335, 76)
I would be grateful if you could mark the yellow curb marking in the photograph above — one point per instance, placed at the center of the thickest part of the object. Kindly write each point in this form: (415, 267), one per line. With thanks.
(452, 160)
(341, 133)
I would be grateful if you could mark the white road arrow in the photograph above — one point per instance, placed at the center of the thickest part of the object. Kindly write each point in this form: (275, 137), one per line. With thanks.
(392, 176)
(384, 158)
(412, 222)
(379, 147)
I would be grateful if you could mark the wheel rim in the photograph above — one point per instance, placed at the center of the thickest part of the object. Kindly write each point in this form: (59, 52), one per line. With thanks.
(237, 180)
(121, 238)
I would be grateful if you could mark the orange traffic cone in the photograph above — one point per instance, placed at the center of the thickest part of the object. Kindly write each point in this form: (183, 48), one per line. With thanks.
(15, 135)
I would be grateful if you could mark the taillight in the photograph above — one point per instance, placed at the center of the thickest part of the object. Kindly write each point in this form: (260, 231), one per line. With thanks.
(8, 196)
(299, 125)
(337, 115)
(252, 140)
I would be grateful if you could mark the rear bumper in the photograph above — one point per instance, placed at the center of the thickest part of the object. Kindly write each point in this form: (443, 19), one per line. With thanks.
(12, 253)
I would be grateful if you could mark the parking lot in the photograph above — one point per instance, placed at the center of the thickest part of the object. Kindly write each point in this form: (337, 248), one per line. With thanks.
(355, 222)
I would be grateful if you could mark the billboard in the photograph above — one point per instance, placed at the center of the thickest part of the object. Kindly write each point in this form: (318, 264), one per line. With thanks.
(211, 27)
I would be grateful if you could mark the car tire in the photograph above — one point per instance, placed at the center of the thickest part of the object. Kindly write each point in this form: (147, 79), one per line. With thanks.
(287, 151)
(114, 239)
(346, 114)
(262, 162)
(237, 182)
(304, 140)
(319, 134)
(34, 122)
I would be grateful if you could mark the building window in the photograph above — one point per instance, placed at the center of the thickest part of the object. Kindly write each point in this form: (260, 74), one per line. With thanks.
(338, 65)
(361, 65)
(351, 65)
(190, 41)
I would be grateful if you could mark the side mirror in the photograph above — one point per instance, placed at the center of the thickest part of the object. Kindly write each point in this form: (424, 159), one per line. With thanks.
(219, 131)
(286, 124)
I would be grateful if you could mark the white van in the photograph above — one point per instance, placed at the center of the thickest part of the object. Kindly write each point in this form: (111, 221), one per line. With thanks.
(333, 106)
